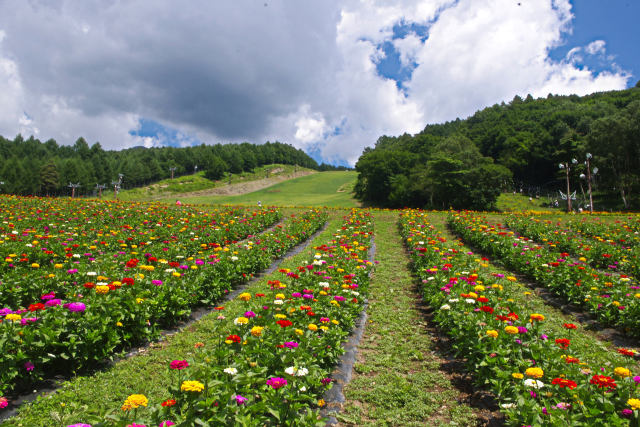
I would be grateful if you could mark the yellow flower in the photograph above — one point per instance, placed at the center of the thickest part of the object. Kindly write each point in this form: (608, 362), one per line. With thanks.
(321, 402)
(492, 333)
(12, 316)
(279, 296)
(241, 321)
(534, 372)
(102, 289)
(299, 332)
(478, 288)
(634, 403)
(312, 327)
(196, 386)
(536, 317)
(622, 372)
(57, 266)
(511, 330)
(256, 331)
(280, 316)
(135, 401)
(245, 296)
(118, 323)
(517, 375)
(35, 265)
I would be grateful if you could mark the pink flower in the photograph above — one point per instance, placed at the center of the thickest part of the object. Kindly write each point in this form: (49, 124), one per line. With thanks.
(29, 366)
(276, 382)
(3, 402)
(179, 364)
(166, 424)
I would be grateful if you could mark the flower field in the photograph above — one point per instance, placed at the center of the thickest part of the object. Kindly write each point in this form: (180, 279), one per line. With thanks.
(82, 281)
(613, 298)
(542, 370)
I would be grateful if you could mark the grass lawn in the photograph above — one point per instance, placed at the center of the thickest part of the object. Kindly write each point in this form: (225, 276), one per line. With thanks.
(331, 189)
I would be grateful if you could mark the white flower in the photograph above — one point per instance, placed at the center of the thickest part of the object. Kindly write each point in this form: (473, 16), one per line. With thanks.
(318, 262)
(445, 307)
(298, 372)
(323, 284)
(170, 270)
(278, 302)
(454, 300)
(355, 293)
(303, 389)
(464, 272)
(318, 256)
(508, 405)
(230, 371)
(530, 382)
(91, 273)
(430, 278)
(470, 301)
(421, 242)
(234, 258)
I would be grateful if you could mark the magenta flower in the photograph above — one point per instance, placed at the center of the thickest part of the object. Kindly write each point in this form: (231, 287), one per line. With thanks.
(291, 344)
(240, 400)
(249, 314)
(166, 424)
(29, 366)
(76, 307)
(3, 402)
(276, 382)
(79, 425)
(156, 282)
(179, 364)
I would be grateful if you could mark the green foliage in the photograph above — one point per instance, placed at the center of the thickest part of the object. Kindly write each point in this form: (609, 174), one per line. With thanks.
(23, 163)
(529, 137)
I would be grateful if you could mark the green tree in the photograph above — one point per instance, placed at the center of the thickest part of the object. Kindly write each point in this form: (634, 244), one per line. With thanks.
(48, 178)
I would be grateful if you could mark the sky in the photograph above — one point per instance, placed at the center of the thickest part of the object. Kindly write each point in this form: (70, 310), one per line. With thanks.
(327, 76)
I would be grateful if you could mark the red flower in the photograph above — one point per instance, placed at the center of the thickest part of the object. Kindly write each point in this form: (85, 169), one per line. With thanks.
(284, 323)
(570, 326)
(89, 285)
(234, 338)
(483, 299)
(563, 342)
(513, 317)
(36, 307)
(626, 352)
(564, 383)
(127, 281)
(603, 381)
(570, 359)
(487, 309)
(168, 402)
(133, 262)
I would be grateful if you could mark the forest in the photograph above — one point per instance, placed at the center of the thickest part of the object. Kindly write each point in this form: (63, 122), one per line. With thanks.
(512, 146)
(31, 167)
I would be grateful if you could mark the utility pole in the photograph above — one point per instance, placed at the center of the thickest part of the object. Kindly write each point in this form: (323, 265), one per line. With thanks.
(117, 185)
(172, 169)
(588, 177)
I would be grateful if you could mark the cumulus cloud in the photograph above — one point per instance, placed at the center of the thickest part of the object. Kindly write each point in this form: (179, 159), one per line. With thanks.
(298, 72)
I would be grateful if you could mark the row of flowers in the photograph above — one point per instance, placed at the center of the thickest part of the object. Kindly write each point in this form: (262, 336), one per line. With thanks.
(614, 299)
(624, 231)
(90, 321)
(543, 371)
(595, 250)
(277, 345)
(53, 243)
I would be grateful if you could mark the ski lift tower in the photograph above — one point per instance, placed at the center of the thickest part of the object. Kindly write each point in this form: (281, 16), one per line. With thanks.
(73, 188)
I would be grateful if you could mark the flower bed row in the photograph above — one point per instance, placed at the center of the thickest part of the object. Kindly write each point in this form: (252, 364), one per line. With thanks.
(88, 322)
(276, 349)
(615, 300)
(542, 374)
(598, 252)
(619, 231)
(50, 244)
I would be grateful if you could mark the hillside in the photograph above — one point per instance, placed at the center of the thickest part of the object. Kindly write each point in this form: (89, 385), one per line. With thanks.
(511, 146)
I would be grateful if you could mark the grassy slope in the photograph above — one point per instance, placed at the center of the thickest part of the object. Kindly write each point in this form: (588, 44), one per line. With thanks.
(169, 188)
(320, 189)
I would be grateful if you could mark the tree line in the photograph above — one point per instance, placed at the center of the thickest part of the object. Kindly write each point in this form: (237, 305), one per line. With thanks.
(31, 167)
(466, 163)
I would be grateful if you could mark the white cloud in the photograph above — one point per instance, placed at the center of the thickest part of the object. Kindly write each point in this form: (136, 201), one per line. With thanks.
(596, 47)
(297, 72)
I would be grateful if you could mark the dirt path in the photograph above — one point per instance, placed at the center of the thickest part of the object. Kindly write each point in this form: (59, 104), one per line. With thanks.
(237, 188)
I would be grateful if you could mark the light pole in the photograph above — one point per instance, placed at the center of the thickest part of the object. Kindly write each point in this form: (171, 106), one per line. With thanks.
(568, 168)
(73, 189)
(588, 177)
(195, 169)
(173, 169)
(100, 187)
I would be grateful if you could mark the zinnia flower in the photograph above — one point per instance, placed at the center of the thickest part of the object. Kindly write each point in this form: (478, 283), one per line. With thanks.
(179, 364)
(511, 330)
(622, 372)
(240, 400)
(166, 424)
(3, 402)
(77, 307)
(534, 372)
(564, 383)
(603, 381)
(563, 342)
(276, 382)
(492, 333)
(195, 386)
(536, 317)
(634, 403)
(529, 382)
(135, 401)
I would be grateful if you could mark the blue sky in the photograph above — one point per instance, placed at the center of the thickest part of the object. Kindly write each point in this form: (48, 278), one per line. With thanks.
(327, 76)
(615, 22)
